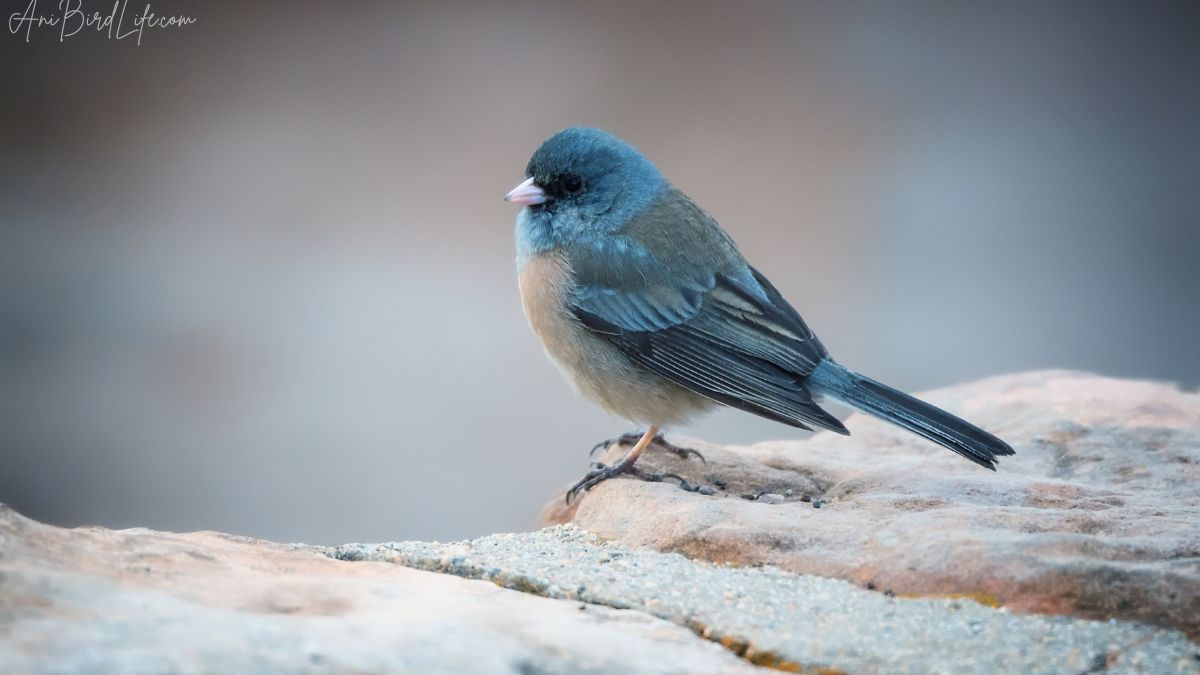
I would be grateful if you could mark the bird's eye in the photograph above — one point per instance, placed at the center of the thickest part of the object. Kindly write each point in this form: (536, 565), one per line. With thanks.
(572, 183)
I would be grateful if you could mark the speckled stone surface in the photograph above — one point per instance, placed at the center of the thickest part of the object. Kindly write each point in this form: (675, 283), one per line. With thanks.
(791, 621)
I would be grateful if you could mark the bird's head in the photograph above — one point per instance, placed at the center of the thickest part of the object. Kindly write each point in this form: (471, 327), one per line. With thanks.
(585, 181)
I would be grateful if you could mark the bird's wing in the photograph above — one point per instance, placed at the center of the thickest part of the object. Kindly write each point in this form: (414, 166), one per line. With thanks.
(703, 319)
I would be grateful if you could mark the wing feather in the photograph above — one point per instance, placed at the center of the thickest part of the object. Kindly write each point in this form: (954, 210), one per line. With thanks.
(731, 347)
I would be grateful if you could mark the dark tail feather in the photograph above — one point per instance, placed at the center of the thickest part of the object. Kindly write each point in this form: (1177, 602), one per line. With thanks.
(890, 405)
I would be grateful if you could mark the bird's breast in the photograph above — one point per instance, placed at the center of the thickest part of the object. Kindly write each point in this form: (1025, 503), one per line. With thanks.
(546, 283)
(597, 369)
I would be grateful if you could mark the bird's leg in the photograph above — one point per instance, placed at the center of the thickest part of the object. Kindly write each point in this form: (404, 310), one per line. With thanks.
(602, 473)
(659, 441)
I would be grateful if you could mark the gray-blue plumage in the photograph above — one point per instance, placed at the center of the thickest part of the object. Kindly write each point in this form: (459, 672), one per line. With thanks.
(622, 183)
(655, 279)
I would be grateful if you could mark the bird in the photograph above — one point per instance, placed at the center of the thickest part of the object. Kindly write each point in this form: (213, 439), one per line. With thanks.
(648, 307)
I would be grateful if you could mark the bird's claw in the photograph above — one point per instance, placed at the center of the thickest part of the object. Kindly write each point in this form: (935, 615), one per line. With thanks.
(683, 482)
(623, 439)
(684, 453)
(598, 475)
(659, 440)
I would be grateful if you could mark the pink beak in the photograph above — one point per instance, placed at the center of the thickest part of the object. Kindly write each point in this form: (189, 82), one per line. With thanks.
(526, 194)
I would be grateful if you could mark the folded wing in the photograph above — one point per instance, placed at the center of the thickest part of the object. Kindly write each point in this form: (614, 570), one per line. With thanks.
(729, 337)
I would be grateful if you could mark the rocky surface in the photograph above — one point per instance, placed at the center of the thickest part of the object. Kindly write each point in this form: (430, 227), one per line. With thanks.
(796, 622)
(1097, 515)
(138, 601)
(914, 562)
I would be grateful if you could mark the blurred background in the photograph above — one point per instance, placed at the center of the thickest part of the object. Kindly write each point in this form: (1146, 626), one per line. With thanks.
(256, 274)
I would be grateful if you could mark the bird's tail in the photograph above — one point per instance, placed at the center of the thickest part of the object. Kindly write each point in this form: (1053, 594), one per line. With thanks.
(890, 405)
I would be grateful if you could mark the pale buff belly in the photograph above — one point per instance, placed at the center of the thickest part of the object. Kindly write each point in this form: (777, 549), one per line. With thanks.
(597, 369)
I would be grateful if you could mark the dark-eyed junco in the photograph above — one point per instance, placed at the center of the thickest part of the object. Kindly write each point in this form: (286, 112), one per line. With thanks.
(646, 304)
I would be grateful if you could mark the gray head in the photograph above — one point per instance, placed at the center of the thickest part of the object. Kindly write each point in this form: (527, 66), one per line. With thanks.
(581, 184)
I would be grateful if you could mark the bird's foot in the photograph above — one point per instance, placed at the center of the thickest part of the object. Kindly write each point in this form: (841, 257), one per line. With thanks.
(659, 441)
(597, 475)
(600, 473)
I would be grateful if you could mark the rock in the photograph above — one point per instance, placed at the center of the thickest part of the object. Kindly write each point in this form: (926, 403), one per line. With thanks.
(793, 622)
(91, 600)
(136, 601)
(1097, 515)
